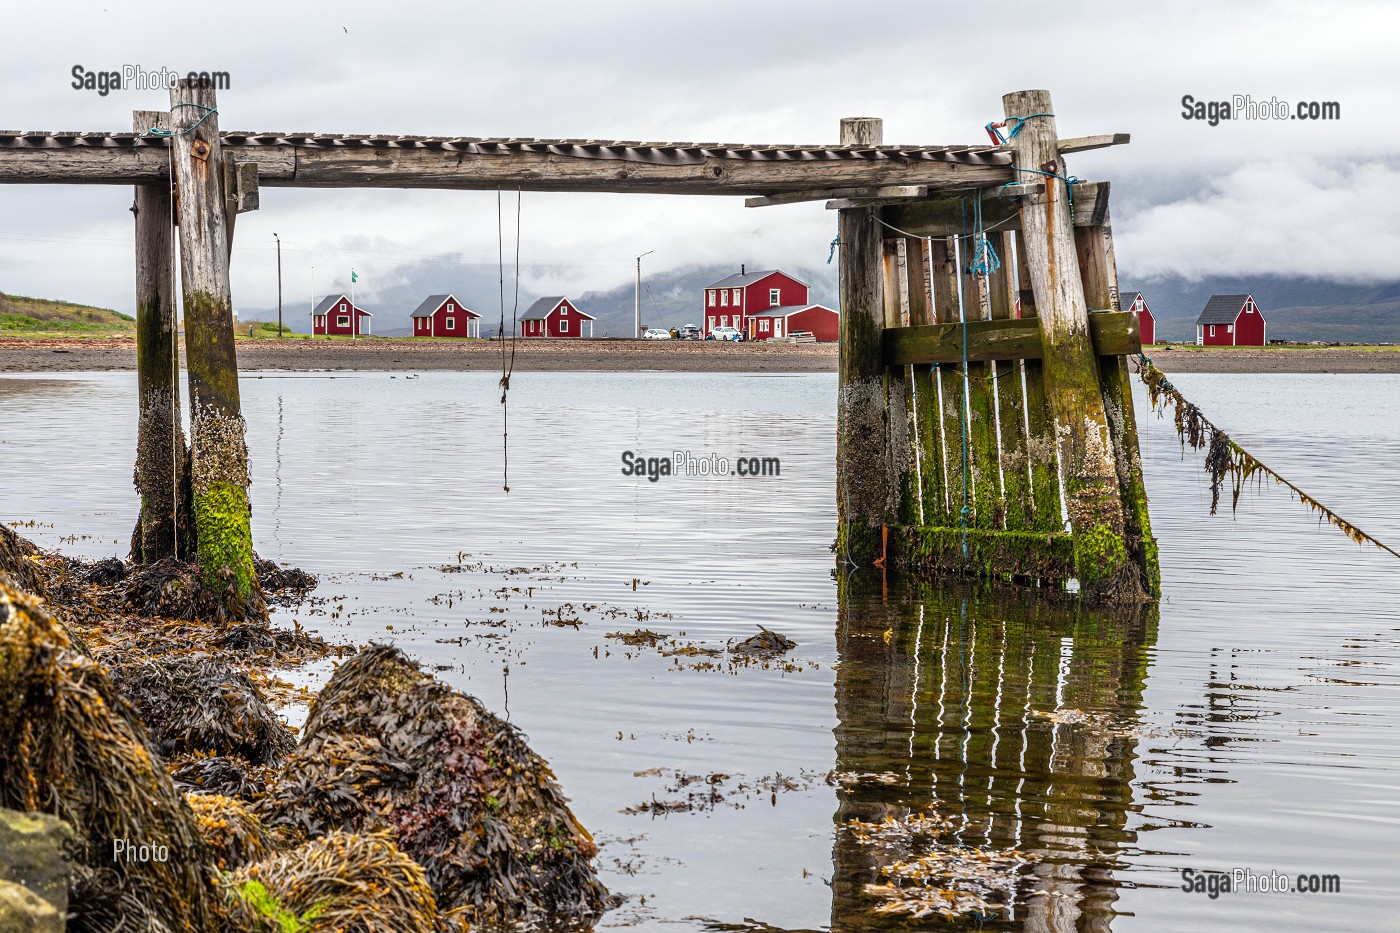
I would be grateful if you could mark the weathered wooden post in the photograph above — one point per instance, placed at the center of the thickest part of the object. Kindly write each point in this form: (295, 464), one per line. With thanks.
(866, 493)
(1082, 431)
(219, 454)
(162, 460)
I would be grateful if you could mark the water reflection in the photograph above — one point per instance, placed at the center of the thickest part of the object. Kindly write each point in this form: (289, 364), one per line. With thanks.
(1011, 726)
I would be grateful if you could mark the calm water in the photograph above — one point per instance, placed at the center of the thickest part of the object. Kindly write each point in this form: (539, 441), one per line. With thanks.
(1249, 723)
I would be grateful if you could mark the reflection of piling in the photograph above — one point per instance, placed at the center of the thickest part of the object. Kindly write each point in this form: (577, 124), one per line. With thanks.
(1016, 722)
(162, 460)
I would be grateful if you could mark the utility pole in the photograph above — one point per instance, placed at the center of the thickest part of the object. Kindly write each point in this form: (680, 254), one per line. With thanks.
(279, 283)
(637, 324)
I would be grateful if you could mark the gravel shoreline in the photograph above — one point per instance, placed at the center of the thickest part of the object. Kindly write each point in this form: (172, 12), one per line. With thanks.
(408, 355)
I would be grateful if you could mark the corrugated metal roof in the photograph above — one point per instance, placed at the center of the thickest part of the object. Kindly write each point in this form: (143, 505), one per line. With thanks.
(1127, 299)
(325, 304)
(1222, 309)
(541, 308)
(742, 279)
(433, 302)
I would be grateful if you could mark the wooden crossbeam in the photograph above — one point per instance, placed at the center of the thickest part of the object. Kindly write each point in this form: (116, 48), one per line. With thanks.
(884, 193)
(948, 216)
(1085, 143)
(1115, 333)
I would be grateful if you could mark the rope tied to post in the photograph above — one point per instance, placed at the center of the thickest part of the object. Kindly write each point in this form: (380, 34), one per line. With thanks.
(1015, 124)
(208, 112)
(1069, 180)
(1225, 457)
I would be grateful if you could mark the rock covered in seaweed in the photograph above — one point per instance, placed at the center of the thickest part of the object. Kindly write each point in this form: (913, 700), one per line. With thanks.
(202, 704)
(387, 747)
(232, 833)
(73, 748)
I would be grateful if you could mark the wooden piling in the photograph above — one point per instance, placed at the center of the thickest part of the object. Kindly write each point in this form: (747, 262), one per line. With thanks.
(1010, 399)
(165, 528)
(1083, 434)
(923, 396)
(218, 451)
(866, 495)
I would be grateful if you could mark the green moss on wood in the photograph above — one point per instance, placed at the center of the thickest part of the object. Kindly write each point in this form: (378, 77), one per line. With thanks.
(222, 517)
(990, 554)
(1100, 556)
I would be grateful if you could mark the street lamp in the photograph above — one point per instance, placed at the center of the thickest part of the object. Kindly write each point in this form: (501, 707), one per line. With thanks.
(637, 330)
(279, 283)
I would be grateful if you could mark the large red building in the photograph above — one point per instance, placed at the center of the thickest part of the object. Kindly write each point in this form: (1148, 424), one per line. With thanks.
(555, 316)
(731, 301)
(1231, 321)
(337, 315)
(445, 316)
(1147, 324)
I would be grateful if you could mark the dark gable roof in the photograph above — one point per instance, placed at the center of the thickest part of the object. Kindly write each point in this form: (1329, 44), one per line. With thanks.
(433, 302)
(743, 279)
(1127, 299)
(1222, 309)
(325, 304)
(542, 306)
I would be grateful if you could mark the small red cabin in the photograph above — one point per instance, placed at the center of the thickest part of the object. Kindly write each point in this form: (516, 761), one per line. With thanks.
(445, 316)
(731, 301)
(1230, 321)
(555, 316)
(1147, 324)
(784, 321)
(337, 315)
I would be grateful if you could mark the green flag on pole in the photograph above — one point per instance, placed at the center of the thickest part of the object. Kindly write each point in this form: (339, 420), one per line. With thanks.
(353, 276)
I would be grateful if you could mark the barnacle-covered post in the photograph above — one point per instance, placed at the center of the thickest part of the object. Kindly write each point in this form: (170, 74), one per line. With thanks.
(219, 454)
(162, 459)
(865, 491)
(1082, 432)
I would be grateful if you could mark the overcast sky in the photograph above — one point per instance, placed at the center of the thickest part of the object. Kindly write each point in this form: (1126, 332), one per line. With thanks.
(1287, 197)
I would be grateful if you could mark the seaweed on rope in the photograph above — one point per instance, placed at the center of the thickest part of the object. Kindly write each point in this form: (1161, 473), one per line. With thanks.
(1225, 458)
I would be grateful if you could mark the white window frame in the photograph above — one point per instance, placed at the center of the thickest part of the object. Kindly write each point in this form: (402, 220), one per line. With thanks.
(342, 306)
(1249, 307)
(452, 323)
(775, 297)
(763, 325)
(712, 298)
(342, 320)
(1229, 328)
(563, 308)
(738, 294)
(724, 298)
(724, 320)
(1212, 330)
(563, 327)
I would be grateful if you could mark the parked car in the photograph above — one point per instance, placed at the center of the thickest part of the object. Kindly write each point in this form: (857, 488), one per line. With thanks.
(656, 333)
(725, 333)
(690, 332)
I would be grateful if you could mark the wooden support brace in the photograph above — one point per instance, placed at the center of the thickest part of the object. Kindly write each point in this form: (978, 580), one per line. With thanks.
(945, 216)
(1114, 333)
(885, 192)
(1085, 143)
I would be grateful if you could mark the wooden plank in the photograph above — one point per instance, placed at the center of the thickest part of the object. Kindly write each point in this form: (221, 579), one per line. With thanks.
(821, 194)
(1046, 512)
(1010, 398)
(984, 461)
(1092, 493)
(1114, 333)
(486, 166)
(943, 273)
(949, 216)
(1086, 143)
(924, 410)
(900, 445)
(865, 493)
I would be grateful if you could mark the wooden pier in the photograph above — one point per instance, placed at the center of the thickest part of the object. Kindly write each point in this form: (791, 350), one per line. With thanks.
(985, 419)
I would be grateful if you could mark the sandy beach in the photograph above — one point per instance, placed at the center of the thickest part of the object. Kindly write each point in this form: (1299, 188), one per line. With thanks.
(409, 355)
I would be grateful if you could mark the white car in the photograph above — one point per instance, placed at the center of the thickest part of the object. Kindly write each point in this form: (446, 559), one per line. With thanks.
(726, 333)
(653, 333)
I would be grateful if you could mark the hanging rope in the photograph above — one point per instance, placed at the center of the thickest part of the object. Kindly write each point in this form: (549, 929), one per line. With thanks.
(1069, 180)
(208, 112)
(507, 362)
(985, 260)
(1225, 458)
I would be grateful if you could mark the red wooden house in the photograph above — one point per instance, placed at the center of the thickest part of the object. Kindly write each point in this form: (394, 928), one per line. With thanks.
(1147, 324)
(555, 316)
(335, 314)
(1231, 321)
(445, 316)
(785, 320)
(731, 301)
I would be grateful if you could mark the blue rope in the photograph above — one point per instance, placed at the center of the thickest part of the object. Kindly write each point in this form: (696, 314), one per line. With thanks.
(208, 112)
(984, 256)
(832, 255)
(1069, 180)
(1015, 123)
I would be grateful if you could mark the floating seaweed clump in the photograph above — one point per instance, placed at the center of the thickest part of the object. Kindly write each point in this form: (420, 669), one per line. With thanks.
(202, 704)
(388, 748)
(72, 749)
(766, 642)
(342, 883)
(232, 834)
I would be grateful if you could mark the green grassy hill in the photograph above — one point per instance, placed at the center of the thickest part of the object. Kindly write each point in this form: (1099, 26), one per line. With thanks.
(20, 316)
